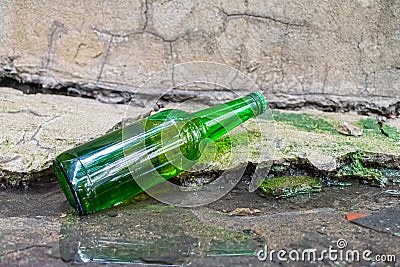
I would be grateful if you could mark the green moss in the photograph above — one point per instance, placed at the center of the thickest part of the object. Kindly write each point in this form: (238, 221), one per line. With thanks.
(223, 144)
(217, 151)
(369, 125)
(305, 122)
(287, 186)
(356, 169)
(222, 149)
(391, 132)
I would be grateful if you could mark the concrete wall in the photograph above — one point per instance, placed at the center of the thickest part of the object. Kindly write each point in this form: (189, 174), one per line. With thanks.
(310, 49)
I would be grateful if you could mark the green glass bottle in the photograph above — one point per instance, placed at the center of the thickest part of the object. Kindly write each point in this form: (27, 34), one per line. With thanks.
(121, 164)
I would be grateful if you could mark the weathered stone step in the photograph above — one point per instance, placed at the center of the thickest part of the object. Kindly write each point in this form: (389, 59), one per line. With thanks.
(35, 128)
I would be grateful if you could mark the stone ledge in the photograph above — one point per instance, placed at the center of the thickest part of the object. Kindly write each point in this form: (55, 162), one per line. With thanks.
(35, 128)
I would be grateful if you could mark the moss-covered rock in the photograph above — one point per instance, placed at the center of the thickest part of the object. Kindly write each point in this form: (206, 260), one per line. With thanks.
(288, 186)
(300, 140)
(319, 143)
(354, 168)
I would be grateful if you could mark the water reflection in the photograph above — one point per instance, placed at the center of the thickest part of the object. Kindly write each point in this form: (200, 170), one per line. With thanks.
(150, 235)
(162, 252)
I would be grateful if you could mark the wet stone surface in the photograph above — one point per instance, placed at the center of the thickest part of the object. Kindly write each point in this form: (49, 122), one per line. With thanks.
(40, 229)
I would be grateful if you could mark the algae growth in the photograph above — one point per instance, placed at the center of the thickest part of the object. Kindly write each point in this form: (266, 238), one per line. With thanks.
(305, 122)
(355, 169)
(314, 137)
(313, 123)
(369, 125)
(372, 126)
(232, 147)
(288, 186)
(391, 132)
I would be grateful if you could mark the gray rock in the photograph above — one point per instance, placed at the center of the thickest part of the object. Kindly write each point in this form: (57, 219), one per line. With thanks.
(35, 128)
(348, 129)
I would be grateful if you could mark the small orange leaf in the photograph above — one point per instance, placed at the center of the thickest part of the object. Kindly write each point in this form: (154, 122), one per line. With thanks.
(353, 215)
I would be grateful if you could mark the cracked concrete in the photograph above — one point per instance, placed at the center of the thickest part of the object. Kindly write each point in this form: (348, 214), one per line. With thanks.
(339, 53)
(36, 128)
(56, 31)
(262, 17)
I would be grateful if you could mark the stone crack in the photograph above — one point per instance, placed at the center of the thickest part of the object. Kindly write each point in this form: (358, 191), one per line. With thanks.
(262, 17)
(37, 131)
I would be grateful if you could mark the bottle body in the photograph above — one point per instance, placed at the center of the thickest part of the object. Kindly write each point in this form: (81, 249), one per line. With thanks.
(117, 166)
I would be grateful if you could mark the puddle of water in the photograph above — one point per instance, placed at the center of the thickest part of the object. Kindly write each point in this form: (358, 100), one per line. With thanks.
(393, 188)
(349, 196)
(149, 234)
(165, 251)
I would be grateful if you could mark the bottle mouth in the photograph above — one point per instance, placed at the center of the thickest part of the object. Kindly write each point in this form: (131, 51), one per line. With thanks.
(260, 101)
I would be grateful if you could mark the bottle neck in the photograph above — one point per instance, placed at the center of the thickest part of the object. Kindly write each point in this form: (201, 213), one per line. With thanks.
(221, 119)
